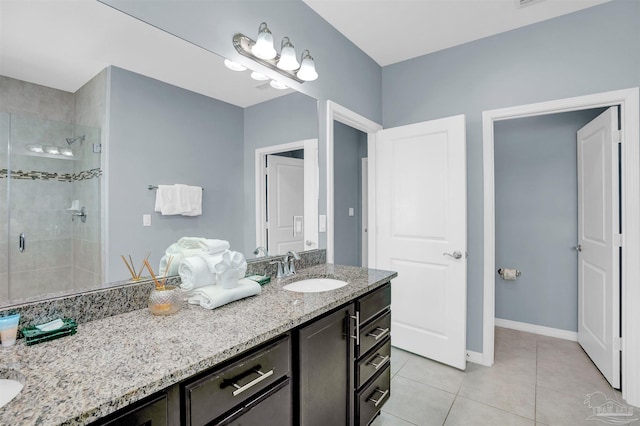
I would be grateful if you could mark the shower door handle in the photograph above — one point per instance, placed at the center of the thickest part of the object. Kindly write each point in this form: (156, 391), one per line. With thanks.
(22, 242)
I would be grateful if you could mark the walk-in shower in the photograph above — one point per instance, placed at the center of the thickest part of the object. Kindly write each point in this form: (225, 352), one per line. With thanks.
(42, 251)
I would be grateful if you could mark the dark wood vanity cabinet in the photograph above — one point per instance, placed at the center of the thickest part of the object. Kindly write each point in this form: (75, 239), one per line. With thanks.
(343, 359)
(243, 392)
(333, 370)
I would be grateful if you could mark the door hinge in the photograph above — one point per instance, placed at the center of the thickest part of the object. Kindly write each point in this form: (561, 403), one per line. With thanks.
(266, 225)
(618, 240)
(619, 141)
(617, 344)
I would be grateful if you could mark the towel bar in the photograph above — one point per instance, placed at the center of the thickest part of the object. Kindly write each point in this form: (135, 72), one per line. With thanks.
(150, 187)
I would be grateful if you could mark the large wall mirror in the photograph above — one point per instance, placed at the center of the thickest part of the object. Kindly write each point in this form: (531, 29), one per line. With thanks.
(87, 125)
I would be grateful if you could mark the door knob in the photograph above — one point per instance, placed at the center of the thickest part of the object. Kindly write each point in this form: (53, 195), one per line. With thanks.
(456, 254)
(309, 243)
(578, 248)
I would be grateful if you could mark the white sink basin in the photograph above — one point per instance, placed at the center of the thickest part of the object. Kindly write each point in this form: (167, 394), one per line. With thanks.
(315, 285)
(9, 388)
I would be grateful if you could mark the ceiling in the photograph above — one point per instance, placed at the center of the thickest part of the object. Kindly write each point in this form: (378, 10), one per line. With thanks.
(391, 31)
(64, 43)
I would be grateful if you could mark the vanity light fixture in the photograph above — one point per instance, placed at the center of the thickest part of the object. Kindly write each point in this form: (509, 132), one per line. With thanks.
(234, 66)
(263, 47)
(258, 76)
(286, 63)
(288, 60)
(278, 85)
(307, 71)
(52, 150)
(35, 148)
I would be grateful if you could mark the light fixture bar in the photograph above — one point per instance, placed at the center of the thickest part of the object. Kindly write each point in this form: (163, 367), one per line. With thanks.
(243, 45)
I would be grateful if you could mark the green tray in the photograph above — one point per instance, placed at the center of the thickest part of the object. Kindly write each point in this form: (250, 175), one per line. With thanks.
(32, 335)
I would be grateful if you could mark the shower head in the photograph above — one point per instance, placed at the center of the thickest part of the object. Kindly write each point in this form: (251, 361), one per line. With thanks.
(70, 141)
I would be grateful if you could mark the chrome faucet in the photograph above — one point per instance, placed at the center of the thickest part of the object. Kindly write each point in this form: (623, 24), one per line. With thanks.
(286, 266)
(260, 249)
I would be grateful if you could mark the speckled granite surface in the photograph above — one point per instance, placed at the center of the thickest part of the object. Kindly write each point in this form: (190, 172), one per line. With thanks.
(123, 297)
(115, 361)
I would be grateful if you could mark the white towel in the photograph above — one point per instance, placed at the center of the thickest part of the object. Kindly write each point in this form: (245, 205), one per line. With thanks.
(213, 296)
(194, 273)
(175, 264)
(190, 242)
(190, 200)
(212, 246)
(167, 200)
(211, 260)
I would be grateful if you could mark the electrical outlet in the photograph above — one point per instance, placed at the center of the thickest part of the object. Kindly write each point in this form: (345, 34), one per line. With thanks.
(146, 220)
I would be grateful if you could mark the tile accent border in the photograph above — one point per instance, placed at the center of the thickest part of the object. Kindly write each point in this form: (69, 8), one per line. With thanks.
(60, 177)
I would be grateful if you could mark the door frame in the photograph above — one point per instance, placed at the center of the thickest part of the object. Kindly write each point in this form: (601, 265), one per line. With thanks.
(311, 180)
(629, 102)
(364, 213)
(352, 119)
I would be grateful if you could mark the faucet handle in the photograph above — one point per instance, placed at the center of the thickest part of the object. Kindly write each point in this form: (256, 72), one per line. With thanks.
(280, 271)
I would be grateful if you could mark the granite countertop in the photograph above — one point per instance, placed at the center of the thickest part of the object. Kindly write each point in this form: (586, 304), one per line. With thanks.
(113, 362)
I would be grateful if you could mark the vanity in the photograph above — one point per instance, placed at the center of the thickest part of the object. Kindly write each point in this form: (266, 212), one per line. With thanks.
(294, 358)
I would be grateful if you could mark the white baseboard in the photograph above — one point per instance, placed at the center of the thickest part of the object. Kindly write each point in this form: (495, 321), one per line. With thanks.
(475, 357)
(537, 329)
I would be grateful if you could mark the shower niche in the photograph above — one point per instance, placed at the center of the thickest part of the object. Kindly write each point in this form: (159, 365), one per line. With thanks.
(50, 178)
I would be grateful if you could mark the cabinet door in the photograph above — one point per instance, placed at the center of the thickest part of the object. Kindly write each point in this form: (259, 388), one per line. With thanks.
(153, 413)
(325, 370)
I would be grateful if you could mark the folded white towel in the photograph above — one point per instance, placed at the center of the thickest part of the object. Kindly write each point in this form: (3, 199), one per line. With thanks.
(190, 242)
(167, 200)
(232, 267)
(175, 264)
(190, 200)
(212, 246)
(194, 273)
(211, 260)
(213, 296)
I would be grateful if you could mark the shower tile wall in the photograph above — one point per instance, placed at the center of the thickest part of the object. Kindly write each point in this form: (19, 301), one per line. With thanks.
(40, 197)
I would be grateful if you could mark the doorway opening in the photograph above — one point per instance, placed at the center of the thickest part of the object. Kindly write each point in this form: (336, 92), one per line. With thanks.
(286, 197)
(628, 101)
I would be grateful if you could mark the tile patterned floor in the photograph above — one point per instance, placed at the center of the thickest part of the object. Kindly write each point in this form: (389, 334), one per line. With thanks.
(536, 380)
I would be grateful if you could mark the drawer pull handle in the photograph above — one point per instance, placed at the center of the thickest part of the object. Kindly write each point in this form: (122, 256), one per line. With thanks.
(381, 363)
(383, 332)
(357, 336)
(377, 402)
(261, 377)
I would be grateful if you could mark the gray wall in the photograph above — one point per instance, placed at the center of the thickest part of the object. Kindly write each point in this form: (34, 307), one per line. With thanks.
(290, 118)
(355, 83)
(162, 134)
(347, 154)
(563, 57)
(536, 205)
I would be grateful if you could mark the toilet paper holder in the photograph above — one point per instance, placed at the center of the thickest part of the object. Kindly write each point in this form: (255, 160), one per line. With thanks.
(501, 272)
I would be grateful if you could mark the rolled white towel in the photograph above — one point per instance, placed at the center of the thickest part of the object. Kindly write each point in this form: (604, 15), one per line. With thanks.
(212, 260)
(176, 249)
(195, 273)
(190, 242)
(212, 246)
(175, 264)
(213, 296)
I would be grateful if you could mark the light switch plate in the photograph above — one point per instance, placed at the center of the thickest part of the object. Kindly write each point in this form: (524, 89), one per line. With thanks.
(146, 220)
(351, 211)
(322, 223)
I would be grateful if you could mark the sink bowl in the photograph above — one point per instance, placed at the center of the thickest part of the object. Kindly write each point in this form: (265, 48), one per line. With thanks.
(315, 285)
(10, 385)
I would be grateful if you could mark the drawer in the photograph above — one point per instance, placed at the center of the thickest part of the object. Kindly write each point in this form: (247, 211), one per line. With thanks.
(274, 404)
(371, 399)
(373, 333)
(373, 303)
(214, 394)
(151, 413)
(376, 361)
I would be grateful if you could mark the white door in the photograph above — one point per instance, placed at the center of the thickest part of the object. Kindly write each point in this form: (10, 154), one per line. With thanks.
(422, 234)
(285, 204)
(365, 212)
(598, 244)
